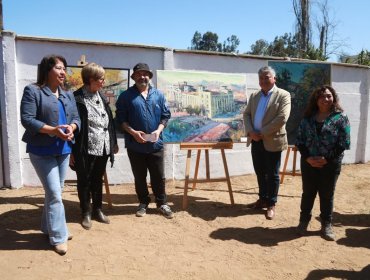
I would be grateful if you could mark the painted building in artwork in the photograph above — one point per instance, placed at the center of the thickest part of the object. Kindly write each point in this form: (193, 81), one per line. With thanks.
(206, 103)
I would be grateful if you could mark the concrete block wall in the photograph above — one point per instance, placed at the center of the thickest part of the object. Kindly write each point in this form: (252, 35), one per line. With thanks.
(21, 55)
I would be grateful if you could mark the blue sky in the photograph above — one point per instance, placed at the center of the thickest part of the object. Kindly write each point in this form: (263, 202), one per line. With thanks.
(172, 23)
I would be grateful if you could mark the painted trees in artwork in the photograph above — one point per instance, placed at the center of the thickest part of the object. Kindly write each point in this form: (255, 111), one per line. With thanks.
(300, 79)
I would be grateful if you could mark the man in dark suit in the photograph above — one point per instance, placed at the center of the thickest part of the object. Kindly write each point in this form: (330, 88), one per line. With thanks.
(264, 118)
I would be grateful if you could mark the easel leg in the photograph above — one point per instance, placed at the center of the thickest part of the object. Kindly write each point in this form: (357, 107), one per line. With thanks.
(227, 176)
(208, 174)
(187, 171)
(196, 169)
(285, 165)
(294, 160)
(107, 190)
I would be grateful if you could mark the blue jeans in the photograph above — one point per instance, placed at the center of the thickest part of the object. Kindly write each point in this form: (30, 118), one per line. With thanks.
(51, 171)
(266, 165)
(321, 181)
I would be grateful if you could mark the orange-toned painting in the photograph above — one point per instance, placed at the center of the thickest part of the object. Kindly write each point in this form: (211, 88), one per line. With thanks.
(116, 82)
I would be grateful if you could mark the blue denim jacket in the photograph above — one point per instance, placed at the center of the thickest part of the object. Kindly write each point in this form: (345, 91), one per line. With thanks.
(39, 107)
(142, 114)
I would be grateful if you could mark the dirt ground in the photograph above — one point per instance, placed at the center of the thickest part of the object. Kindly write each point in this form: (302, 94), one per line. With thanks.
(210, 240)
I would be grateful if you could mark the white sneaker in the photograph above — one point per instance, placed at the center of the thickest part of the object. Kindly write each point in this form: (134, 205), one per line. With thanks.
(166, 211)
(141, 210)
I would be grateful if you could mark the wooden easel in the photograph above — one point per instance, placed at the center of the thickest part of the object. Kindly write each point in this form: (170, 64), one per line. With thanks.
(291, 148)
(206, 147)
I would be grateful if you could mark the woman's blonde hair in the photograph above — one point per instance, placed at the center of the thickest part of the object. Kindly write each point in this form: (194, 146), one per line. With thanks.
(92, 71)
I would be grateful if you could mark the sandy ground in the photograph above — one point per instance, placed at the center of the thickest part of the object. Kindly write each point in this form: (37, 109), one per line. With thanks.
(210, 240)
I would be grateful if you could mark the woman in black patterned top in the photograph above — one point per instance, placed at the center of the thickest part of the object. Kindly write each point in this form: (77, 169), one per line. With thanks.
(323, 136)
(95, 143)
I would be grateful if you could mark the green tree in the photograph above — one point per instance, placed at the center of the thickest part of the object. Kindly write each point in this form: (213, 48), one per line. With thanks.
(259, 47)
(209, 42)
(231, 44)
(314, 53)
(285, 45)
(363, 58)
(195, 42)
(206, 42)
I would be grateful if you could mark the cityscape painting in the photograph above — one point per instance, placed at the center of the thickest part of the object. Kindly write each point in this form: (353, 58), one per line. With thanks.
(116, 82)
(205, 106)
(300, 79)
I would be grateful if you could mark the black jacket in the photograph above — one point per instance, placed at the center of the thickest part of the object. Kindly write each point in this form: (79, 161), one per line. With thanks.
(80, 148)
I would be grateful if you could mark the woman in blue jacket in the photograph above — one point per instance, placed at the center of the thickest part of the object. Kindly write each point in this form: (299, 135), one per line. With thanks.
(50, 117)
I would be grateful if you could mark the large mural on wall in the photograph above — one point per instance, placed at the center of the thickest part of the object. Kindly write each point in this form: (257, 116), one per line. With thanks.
(205, 106)
(300, 79)
(116, 82)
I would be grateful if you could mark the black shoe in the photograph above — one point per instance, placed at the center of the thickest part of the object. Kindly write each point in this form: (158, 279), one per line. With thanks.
(327, 231)
(86, 221)
(100, 217)
(302, 228)
(259, 204)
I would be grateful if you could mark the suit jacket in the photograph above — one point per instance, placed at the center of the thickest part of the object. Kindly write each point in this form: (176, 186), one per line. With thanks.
(273, 123)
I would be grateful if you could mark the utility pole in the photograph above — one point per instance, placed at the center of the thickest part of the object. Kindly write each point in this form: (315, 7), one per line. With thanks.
(1, 16)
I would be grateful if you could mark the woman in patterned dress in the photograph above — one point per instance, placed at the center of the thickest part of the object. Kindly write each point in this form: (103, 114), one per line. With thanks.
(95, 143)
(323, 135)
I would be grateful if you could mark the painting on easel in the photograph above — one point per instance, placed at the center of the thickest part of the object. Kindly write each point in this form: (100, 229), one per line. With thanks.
(205, 106)
(300, 79)
(116, 82)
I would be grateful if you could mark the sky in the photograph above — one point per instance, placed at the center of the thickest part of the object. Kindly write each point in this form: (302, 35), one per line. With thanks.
(172, 23)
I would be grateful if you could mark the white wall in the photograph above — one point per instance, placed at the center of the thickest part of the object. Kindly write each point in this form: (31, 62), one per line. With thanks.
(10, 101)
(20, 56)
(352, 85)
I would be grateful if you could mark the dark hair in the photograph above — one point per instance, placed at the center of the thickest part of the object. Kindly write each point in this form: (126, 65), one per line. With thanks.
(46, 64)
(312, 107)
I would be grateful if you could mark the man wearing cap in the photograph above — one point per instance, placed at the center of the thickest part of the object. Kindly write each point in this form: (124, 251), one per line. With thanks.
(143, 114)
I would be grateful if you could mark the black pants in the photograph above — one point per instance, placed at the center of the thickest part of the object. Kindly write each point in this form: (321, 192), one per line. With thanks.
(266, 165)
(90, 182)
(142, 163)
(322, 181)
